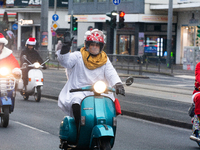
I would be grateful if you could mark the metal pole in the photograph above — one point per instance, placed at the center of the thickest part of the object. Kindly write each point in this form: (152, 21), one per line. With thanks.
(55, 39)
(169, 33)
(44, 22)
(71, 32)
(115, 34)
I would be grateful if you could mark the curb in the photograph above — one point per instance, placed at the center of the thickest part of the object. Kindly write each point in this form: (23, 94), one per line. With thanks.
(160, 120)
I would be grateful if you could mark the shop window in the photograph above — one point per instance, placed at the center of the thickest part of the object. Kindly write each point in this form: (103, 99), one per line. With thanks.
(157, 28)
(76, 1)
(188, 36)
(124, 47)
(150, 28)
(101, 0)
(164, 27)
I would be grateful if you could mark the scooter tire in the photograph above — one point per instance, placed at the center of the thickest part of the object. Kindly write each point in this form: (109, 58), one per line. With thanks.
(105, 144)
(198, 144)
(38, 94)
(25, 97)
(5, 117)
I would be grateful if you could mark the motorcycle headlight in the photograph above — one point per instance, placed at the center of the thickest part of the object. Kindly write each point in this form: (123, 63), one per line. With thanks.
(100, 87)
(4, 71)
(37, 65)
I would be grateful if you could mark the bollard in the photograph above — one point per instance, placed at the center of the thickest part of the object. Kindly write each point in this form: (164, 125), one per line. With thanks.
(159, 64)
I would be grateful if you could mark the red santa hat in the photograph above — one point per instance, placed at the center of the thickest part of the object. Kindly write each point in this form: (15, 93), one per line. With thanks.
(3, 39)
(31, 41)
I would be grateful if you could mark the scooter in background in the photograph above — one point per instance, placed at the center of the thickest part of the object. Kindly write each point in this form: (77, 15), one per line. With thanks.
(35, 80)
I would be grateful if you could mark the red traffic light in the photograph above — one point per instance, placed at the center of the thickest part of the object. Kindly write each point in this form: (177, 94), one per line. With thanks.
(122, 14)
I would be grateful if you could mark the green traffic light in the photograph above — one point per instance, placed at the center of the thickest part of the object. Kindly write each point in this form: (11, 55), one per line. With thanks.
(75, 29)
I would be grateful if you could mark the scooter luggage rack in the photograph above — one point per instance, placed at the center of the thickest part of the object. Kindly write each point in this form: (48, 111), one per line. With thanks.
(7, 83)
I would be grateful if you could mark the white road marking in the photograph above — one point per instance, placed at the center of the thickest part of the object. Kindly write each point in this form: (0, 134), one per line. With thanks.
(25, 125)
(185, 76)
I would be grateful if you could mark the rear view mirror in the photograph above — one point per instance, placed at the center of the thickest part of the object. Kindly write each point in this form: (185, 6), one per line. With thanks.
(129, 81)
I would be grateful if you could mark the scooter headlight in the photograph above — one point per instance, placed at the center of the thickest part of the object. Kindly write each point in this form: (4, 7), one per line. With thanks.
(100, 87)
(36, 64)
(4, 71)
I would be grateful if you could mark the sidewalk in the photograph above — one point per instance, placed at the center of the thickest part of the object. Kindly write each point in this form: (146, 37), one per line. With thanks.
(171, 110)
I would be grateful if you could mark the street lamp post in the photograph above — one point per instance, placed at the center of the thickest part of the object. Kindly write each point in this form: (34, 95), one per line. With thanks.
(169, 33)
(44, 22)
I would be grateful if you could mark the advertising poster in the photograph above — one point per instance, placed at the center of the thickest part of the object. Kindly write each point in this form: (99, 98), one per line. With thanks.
(44, 39)
(141, 44)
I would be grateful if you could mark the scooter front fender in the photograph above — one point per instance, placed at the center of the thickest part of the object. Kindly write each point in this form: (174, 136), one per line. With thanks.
(5, 101)
(101, 131)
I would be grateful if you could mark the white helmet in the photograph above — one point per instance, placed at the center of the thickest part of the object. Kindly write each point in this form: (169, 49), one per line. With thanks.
(94, 36)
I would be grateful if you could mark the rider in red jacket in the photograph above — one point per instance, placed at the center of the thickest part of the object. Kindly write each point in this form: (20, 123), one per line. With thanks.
(6, 57)
(196, 100)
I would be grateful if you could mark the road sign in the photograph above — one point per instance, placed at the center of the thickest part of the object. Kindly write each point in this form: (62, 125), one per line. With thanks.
(116, 2)
(15, 26)
(53, 33)
(55, 17)
(55, 26)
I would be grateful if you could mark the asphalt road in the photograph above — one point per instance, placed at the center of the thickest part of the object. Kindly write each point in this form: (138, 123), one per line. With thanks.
(35, 126)
(163, 99)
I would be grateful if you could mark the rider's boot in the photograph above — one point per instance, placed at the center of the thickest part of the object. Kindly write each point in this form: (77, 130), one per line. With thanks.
(196, 133)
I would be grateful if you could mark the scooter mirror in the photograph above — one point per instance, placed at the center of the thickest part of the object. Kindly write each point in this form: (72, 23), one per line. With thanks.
(24, 56)
(129, 81)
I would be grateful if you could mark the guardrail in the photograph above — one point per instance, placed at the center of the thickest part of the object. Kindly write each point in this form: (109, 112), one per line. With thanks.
(130, 63)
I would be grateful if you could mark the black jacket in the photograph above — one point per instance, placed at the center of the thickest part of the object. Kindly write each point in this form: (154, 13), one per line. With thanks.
(32, 55)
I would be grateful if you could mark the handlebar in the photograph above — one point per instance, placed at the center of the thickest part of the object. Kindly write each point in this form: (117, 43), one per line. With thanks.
(78, 90)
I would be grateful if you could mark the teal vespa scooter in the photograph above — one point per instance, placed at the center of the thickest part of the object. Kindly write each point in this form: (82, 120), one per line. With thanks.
(98, 121)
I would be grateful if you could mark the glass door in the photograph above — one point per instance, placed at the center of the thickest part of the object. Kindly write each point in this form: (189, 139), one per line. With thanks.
(126, 44)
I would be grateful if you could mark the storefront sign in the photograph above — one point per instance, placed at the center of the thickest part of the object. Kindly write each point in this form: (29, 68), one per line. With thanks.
(23, 22)
(60, 3)
(194, 21)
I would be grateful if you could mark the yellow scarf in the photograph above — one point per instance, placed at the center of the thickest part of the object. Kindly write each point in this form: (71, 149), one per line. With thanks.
(93, 62)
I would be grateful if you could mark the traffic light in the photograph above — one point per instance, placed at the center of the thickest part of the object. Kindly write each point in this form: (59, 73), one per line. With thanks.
(113, 19)
(121, 19)
(198, 30)
(74, 24)
(198, 35)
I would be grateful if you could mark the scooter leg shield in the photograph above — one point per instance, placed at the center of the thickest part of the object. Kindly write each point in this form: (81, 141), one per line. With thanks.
(68, 130)
(101, 131)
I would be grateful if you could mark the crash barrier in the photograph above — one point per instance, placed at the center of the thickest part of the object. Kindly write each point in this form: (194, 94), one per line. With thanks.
(129, 63)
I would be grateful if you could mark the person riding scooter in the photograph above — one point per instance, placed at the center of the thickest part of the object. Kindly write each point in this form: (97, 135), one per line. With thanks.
(32, 55)
(9, 61)
(87, 66)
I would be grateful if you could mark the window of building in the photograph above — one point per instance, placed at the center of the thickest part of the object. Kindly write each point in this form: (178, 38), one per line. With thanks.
(76, 1)
(101, 0)
(85, 1)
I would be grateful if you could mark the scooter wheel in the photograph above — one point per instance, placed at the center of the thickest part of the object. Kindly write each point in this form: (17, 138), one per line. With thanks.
(5, 117)
(25, 97)
(198, 144)
(105, 144)
(38, 94)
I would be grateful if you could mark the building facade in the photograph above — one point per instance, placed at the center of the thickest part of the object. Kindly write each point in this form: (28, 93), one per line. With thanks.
(144, 33)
